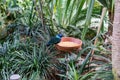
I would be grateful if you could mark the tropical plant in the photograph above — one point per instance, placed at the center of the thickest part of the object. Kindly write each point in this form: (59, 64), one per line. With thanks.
(69, 70)
(67, 16)
(25, 56)
(34, 59)
(3, 31)
(24, 49)
(104, 73)
(109, 4)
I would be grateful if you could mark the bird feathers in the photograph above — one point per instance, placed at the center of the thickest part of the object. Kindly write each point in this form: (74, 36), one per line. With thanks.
(55, 40)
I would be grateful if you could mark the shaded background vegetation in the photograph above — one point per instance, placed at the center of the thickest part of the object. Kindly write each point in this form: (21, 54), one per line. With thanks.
(26, 26)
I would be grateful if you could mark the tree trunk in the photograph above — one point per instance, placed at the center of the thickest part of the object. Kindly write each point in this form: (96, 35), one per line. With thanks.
(116, 42)
(110, 26)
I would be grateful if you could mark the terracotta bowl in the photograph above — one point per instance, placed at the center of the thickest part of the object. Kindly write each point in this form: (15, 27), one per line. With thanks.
(67, 48)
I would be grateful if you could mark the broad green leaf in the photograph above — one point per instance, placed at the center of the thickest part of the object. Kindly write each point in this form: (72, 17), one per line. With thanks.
(88, 18)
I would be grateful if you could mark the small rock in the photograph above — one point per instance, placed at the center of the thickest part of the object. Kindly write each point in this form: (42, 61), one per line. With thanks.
(15, 77)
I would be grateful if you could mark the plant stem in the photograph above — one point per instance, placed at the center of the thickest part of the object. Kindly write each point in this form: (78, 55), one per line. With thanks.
(41, 15)
(98, 31)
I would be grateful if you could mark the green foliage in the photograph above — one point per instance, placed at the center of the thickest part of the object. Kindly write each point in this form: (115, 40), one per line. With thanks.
(32, 23)
(73, 72)
(88, 18)
(3, 31)
(107, 3)
(34, 59)
(65, 13)
(25, 57)
(104, 73)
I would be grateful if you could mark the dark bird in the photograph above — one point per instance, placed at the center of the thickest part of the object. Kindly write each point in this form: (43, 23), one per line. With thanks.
(55, 40)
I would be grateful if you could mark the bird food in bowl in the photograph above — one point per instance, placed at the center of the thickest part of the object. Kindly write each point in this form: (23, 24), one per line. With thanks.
(69, 44)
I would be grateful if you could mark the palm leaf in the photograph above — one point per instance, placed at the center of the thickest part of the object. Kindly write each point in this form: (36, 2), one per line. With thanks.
(104, 3)
(84, 63)
(88, 18)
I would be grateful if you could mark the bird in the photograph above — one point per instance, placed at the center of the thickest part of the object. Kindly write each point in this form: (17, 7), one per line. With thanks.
(54, 40)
